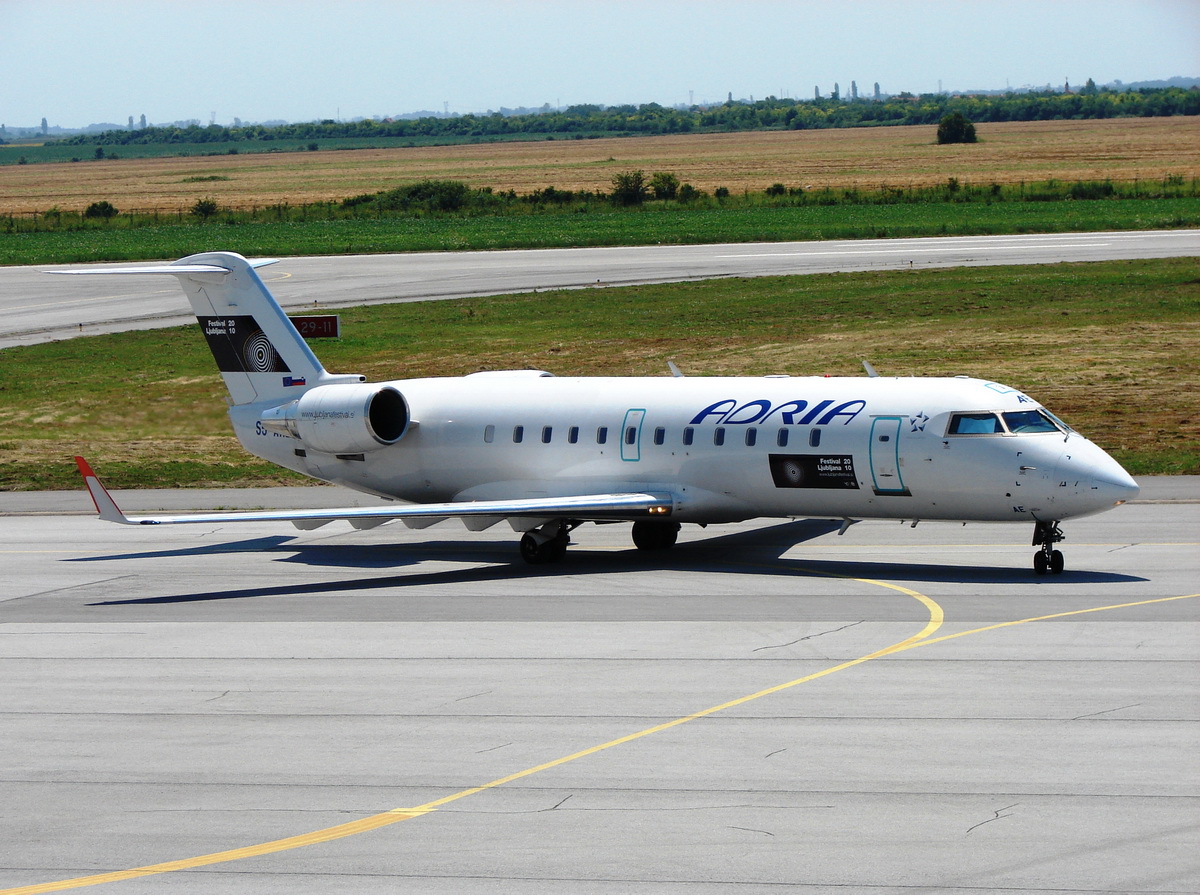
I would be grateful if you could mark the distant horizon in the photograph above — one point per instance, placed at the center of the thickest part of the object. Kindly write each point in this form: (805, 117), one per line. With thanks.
(864, 94)
(309, 60)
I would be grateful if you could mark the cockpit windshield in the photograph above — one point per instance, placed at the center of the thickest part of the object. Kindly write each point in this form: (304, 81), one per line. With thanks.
(1022, 422)
(1013, 422)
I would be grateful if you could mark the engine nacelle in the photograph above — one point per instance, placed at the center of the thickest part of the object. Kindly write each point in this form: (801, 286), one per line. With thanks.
(343, 419)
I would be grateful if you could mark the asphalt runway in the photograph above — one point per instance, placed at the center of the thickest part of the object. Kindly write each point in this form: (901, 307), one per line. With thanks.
(35, 307)
(767, 707)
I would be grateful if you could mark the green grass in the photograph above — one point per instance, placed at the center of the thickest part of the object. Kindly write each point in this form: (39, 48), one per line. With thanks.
(1110, 346)
(51, 151)
(598, 227)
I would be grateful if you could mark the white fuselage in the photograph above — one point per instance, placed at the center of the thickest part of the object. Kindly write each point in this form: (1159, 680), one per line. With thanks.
(727, 448)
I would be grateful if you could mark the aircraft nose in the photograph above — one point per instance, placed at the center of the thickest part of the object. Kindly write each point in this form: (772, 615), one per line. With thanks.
(1091, 481)
(1115, 486)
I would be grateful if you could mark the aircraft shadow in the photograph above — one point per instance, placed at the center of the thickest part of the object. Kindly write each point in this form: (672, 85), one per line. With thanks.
(757, 552)
(254, 545)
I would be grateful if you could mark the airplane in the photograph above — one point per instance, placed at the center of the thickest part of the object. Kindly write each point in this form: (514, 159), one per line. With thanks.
(546, 454)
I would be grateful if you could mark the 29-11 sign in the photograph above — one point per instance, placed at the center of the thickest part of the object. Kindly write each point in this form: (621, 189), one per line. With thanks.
(325, 326)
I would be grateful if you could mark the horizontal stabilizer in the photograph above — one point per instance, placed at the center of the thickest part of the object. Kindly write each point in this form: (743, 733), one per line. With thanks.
(176, 269)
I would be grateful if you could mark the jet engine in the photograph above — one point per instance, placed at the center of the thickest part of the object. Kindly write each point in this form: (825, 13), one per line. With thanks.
(343, 419)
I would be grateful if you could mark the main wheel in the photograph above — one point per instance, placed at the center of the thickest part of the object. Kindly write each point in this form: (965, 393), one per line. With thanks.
(537, 552)
(1040, 563)
(557, 545)
(655, 535)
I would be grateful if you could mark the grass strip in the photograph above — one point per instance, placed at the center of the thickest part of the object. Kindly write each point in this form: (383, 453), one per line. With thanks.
(1109, 346)
(651, 225)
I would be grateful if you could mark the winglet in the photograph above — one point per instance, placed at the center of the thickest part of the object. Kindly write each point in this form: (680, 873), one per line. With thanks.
(105, 505)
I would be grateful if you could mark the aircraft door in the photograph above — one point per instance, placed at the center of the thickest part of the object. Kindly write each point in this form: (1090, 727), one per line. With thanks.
(631, 435)
(886, 476)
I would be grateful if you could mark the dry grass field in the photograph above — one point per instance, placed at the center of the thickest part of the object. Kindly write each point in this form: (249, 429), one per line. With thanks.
(1117, 149)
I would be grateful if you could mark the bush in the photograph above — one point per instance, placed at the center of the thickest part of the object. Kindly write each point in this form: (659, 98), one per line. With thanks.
(103, 210)
(1091, 190)
(426, 195)
(954, 128)
(664, 186)
(550, 195)
(629, 188)
(776, 189)
(205, 208)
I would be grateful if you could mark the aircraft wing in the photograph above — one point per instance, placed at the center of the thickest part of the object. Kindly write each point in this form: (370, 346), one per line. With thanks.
(585, 506)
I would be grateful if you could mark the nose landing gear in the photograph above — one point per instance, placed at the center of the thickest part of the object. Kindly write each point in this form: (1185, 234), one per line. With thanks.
(1047, 559)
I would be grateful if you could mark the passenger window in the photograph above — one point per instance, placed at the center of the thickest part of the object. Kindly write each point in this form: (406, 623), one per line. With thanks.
(518, 434)
(751, 437)
(631, 434)
(719, 436)
(1024, 422)
(814, 438)
(489, 434)
(660, 435)
(547, 434)
(573, 435)
(689, 435)
(975, 424)
(782, 438)
(602, 435)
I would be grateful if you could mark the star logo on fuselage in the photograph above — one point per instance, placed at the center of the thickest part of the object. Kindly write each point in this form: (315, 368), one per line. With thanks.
(918, 422)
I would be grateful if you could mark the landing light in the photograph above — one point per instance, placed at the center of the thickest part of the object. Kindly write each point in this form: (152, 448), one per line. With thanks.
(659, 511)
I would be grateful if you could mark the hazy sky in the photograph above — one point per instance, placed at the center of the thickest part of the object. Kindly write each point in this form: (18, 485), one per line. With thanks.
(76, 63)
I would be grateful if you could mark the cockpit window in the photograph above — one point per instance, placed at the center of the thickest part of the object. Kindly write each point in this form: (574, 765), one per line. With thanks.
(1061, 425)
(975, 424)
(1025, 422)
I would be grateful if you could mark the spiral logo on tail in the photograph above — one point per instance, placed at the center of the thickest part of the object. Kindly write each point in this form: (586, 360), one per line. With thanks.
(260, 354)
(240, 346)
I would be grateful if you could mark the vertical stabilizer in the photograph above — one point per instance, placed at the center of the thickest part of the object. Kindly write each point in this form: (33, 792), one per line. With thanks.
(257, 348)
(260, 354)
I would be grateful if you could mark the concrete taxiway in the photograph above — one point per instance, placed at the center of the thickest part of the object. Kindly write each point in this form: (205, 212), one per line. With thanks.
(767, 707)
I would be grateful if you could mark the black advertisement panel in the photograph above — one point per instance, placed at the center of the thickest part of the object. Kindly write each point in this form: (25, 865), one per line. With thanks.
(239, 346)
(813, 471)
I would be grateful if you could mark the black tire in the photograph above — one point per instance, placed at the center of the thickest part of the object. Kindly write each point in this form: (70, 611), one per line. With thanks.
(1056, 562)
(1040, 563)
(655, 535)
(557, 546)
(532, 551)
(537, 553)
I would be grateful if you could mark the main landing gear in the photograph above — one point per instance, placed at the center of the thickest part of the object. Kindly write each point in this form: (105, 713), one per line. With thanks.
(1047, 559)
(654, 535)
(548, 543)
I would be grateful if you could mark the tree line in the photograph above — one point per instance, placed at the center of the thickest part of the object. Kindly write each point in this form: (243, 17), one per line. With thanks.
(651, 118)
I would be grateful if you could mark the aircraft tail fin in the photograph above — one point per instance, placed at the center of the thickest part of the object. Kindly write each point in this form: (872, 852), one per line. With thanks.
(258, 350)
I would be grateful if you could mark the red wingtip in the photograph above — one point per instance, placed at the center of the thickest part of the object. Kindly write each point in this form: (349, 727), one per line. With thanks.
(105, 505)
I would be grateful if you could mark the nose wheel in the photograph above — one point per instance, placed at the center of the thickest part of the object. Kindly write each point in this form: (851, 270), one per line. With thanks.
(1047, 559)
